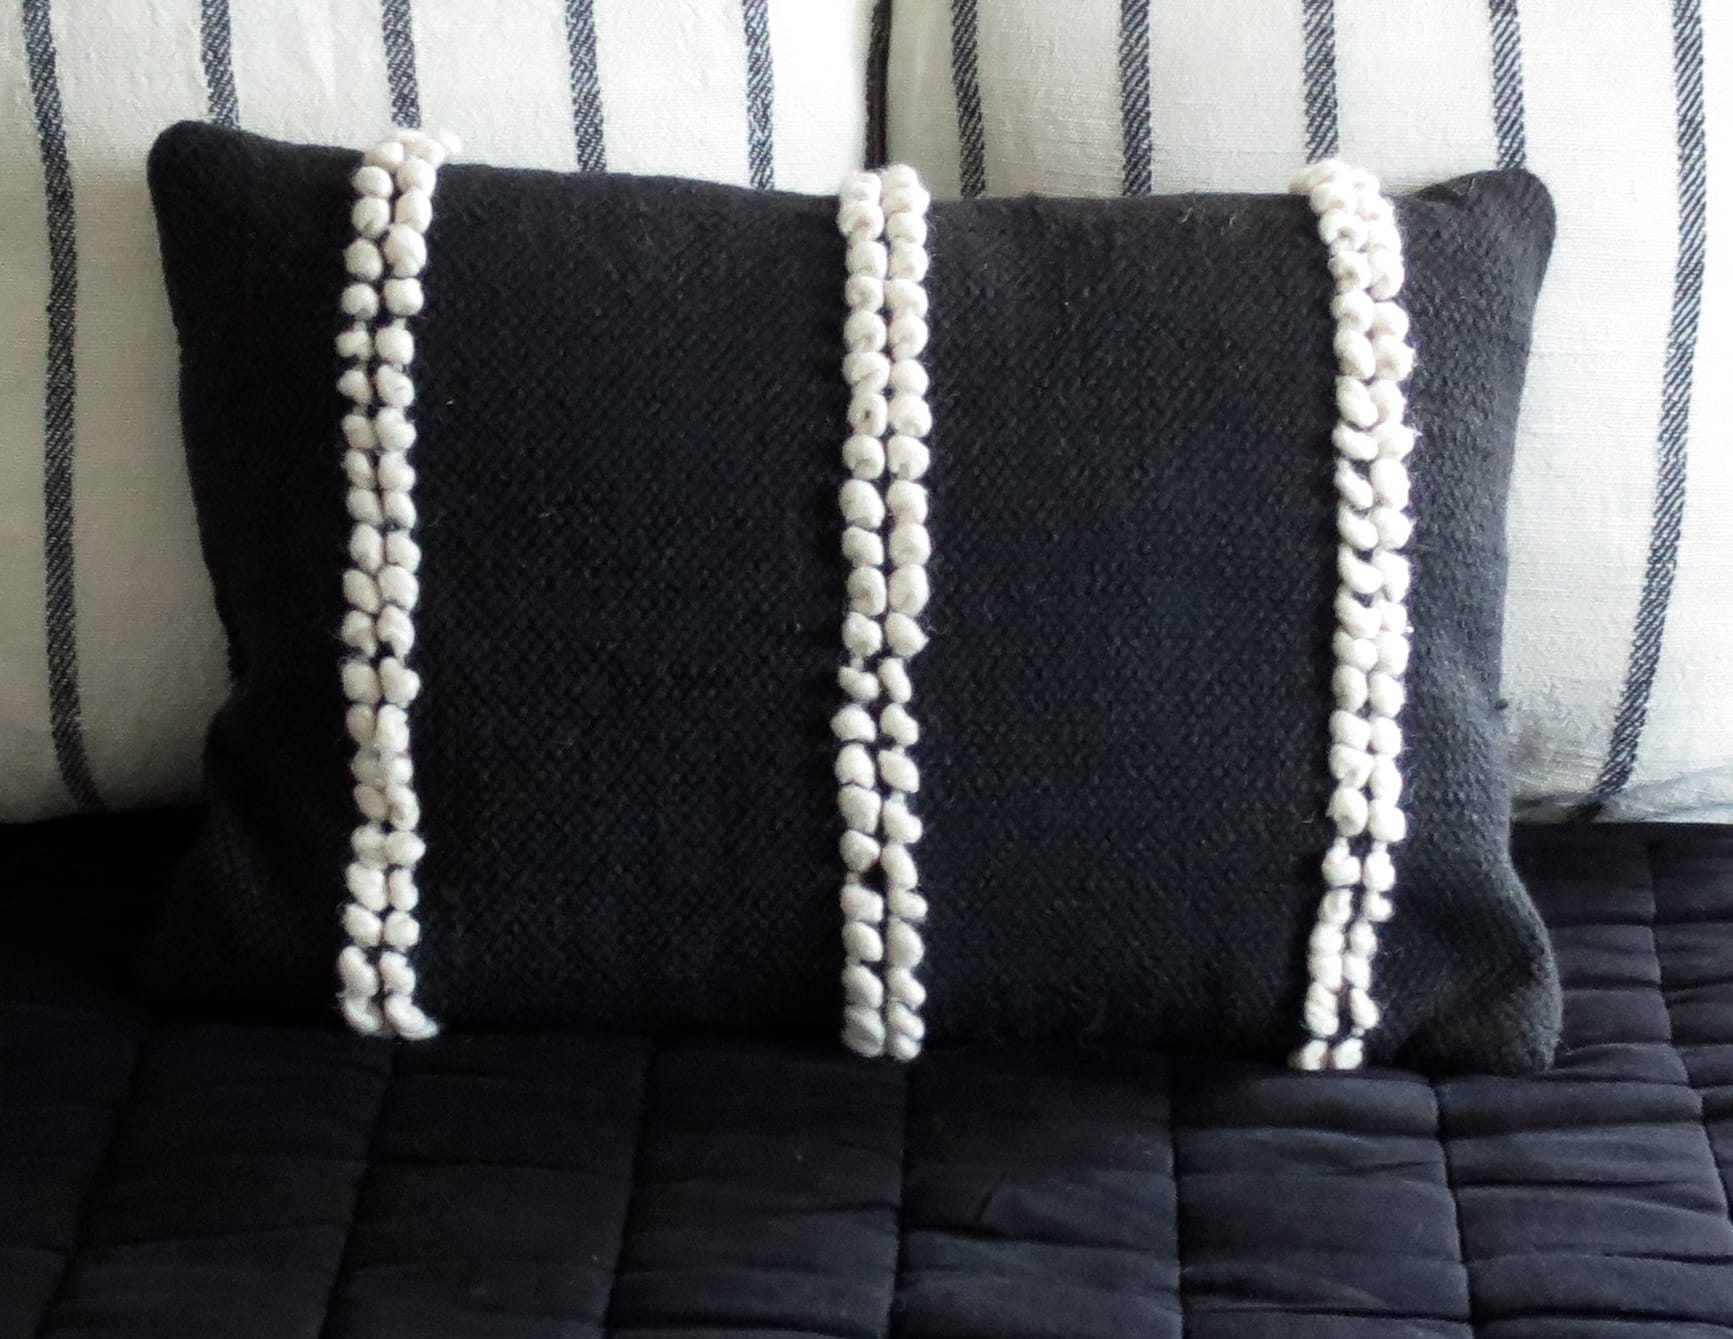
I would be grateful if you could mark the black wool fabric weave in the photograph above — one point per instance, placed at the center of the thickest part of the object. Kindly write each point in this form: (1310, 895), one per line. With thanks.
(630, 409)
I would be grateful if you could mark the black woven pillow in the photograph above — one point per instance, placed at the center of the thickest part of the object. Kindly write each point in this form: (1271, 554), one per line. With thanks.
(549, 728)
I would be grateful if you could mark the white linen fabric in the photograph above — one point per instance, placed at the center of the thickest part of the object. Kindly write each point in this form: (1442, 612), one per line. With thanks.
(1619, 617)
(111, 654)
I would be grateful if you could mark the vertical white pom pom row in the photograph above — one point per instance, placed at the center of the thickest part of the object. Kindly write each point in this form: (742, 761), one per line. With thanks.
(392, 210)
(884, 510)
(1372, 441)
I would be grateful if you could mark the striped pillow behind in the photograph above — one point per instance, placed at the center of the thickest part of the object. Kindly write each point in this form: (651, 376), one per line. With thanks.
(1619, 618)
(111, 654)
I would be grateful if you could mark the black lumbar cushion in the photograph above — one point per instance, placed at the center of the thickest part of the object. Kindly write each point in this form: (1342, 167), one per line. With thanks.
(630, 591)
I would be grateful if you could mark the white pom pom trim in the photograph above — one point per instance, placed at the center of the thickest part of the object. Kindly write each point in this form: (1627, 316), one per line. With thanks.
(884, 335)
(391, 213)
(1357, 223)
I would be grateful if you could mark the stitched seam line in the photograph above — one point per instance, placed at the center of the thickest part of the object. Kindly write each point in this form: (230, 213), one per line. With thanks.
(898, 1210)
(1179, 1252)
(1722, 1173)
(628, 1211)
(341, 1274)
(99, 1173)
(1455, 1206)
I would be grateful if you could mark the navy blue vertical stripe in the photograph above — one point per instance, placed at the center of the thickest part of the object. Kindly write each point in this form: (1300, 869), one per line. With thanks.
(587, 122)
(1323, 132)
(397, 27)
(760, 94)
(1134, 119)
(966, 82)
(878, 71)
(1673, 441)
(1507, 93)
(215, 49)
(60, 403)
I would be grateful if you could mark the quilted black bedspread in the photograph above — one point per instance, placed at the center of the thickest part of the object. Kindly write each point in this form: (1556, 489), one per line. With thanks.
(199, 1179)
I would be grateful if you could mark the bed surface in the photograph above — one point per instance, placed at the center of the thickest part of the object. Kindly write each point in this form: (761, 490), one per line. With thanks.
(198, 1177)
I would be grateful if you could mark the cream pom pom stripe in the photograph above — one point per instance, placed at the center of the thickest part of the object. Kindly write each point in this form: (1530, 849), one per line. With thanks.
(884, 512)
(1372, 440)
(391, 213)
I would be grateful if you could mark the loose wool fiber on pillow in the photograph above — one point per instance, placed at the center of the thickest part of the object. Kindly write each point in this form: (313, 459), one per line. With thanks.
(1109, 456)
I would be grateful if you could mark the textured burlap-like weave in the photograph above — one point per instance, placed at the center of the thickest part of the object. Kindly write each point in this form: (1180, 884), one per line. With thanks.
(631, 407)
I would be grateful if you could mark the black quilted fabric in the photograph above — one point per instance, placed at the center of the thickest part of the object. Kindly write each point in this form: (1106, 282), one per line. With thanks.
(186, 1177)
